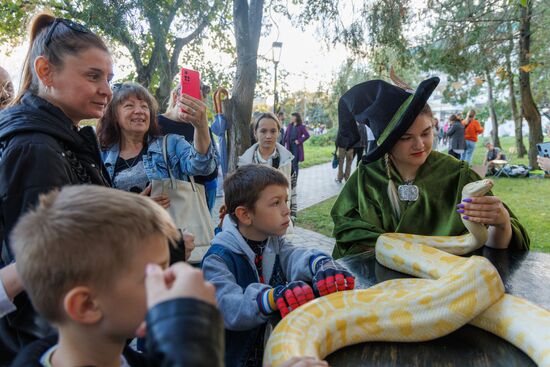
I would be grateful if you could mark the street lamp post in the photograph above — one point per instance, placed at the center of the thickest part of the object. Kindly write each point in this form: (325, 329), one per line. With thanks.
(276, 48)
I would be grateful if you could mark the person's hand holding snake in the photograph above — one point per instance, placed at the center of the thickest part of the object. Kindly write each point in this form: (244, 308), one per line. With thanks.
(489, 210)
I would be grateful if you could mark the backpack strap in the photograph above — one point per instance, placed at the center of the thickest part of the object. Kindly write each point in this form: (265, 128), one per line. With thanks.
(276, 162)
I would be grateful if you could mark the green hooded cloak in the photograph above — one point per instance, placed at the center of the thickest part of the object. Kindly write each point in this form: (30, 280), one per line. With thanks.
(363, 210)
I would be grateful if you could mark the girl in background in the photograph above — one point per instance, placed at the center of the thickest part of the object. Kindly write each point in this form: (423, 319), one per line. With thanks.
(295, 136)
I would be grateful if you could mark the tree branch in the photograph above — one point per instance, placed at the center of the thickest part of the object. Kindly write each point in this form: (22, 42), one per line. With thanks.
(182, 41)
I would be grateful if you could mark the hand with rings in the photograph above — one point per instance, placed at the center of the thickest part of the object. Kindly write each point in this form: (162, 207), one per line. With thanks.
(193, 110)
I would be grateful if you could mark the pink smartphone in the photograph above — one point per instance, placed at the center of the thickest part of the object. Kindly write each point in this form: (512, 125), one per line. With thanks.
(191, 83)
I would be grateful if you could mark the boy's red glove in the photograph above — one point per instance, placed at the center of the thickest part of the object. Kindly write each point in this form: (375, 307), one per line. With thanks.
(331, 277)
(289, 297)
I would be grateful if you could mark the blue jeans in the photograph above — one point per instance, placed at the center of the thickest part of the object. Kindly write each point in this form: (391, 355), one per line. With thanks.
(469, 152)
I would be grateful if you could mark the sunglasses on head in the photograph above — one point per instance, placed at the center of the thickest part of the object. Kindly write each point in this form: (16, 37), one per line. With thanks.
(66, 22)
(116, 86)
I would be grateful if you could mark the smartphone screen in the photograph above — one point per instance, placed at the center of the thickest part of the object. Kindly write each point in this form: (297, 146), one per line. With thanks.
(544, 149)
(191, 83)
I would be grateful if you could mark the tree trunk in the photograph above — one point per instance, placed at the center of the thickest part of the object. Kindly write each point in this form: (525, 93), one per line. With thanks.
(529, 109)
(494, 131)
(248, 25)
(516, 115)
(162, 93)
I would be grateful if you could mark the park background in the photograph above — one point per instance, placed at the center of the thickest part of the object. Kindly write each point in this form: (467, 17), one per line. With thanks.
(301, 55)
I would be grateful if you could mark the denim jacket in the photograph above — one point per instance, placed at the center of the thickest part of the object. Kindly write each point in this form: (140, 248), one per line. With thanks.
(184, 159)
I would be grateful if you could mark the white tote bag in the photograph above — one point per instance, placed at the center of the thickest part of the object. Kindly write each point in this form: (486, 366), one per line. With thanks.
(188, 207)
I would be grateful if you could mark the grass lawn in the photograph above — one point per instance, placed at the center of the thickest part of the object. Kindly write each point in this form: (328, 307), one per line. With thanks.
(316, 154)
(317, 217)
(527, 198)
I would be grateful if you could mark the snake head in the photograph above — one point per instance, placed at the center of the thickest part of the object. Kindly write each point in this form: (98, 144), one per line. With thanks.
(477, 188)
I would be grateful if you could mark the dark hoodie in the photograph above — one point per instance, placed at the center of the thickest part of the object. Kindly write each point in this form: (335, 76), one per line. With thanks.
(40, 149)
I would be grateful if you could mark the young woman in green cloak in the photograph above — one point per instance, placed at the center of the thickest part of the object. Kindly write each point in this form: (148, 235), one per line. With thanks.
(403, 185)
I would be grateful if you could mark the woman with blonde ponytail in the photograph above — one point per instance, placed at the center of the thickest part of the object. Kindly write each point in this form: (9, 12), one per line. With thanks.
(403, 185)
(65, 79)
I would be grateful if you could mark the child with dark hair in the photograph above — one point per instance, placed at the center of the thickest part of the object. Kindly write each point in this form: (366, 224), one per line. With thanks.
(255, 271)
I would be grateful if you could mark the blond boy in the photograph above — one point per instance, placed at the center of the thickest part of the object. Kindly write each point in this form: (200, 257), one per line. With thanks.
(82, 255)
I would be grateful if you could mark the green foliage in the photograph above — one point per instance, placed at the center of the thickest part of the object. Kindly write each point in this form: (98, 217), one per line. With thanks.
(212, 74)
(14, 13)
(314, 107)
(540, 39)
(324, 140)
(361, 26)
(502, 109)
(154, 32)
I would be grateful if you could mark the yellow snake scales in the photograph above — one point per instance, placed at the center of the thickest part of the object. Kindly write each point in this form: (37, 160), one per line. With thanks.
(455, 291)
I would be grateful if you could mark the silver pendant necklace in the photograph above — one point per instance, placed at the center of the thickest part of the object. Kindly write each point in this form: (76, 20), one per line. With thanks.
(131, 160)
(408, 191)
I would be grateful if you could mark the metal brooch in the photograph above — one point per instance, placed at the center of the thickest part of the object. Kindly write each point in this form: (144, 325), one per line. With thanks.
(407, 192)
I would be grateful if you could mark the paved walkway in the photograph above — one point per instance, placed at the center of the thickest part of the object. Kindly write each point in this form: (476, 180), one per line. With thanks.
(315, 184)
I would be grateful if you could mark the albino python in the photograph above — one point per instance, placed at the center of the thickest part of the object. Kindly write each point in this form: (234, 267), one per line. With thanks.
(457, 291)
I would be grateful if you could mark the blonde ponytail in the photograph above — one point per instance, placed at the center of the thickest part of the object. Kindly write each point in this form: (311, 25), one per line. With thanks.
(392, 190)
(173, 99)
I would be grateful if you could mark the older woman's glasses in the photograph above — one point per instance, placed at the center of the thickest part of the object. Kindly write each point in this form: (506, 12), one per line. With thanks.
(66, 22)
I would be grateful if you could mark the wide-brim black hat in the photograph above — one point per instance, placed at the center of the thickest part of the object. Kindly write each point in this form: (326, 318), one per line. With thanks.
(388, 110)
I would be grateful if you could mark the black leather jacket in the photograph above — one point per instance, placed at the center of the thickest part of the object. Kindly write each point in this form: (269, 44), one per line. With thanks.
(185, 332)
(40, 149)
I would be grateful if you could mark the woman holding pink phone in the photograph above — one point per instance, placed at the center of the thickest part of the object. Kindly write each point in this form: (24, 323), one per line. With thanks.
(132, 145)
